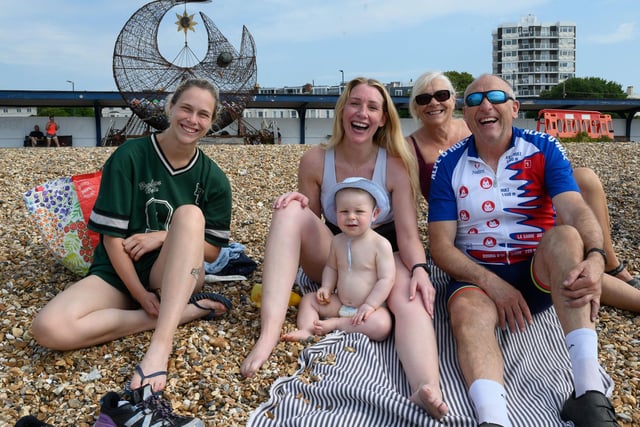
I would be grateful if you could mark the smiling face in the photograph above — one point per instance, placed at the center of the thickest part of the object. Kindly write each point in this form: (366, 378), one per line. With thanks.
(363, 114)
(191, 114)
(356, 210)
(491, 123)
(435, 112)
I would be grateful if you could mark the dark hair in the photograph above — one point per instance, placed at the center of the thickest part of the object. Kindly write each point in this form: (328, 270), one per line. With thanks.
(199, 83)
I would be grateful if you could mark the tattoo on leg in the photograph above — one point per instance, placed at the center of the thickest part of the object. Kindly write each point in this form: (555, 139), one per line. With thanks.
(195, 272)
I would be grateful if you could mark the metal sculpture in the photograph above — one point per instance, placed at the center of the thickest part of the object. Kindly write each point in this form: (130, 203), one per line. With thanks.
(145, 77)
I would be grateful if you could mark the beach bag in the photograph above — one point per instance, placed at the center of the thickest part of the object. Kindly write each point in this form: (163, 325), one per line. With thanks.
(60, 209)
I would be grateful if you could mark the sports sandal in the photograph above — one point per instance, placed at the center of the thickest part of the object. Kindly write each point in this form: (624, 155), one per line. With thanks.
(214, 297)
(127, 388)
(635, 281)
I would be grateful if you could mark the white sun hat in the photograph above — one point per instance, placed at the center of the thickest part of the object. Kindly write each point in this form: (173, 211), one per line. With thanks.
(376, 191)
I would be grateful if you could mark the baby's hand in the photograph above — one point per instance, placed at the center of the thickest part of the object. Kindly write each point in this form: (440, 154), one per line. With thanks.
(361, 315)
(322, 296)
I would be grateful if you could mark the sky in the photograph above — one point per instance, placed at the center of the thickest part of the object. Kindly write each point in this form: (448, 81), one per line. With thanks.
(47, 44)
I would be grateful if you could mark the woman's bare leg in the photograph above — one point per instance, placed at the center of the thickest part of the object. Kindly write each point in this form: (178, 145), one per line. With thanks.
(416, 345)
(296, 236)
(593, 193)
(88, 313)
(178, 270)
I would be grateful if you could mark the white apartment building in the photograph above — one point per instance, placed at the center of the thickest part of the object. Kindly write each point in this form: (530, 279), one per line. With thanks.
(33, 111)
(274, 114)
(394, 88)
(18, 111)
(534, 56)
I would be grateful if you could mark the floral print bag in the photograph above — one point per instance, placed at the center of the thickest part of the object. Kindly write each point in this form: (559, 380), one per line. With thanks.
(60, 209)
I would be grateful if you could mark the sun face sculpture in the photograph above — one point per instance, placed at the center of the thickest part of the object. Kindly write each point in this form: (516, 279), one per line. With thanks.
(185, 22)
(145, 77)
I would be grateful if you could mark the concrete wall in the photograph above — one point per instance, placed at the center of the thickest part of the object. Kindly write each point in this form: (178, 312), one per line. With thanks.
(82, 129)
(14, 129)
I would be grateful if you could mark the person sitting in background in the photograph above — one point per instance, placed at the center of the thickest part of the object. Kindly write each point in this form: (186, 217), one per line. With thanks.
(51, 129)
(432, 104)
(360, 269)
(36, 136)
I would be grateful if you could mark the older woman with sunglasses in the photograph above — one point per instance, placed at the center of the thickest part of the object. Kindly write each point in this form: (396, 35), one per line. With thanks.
(432, 104)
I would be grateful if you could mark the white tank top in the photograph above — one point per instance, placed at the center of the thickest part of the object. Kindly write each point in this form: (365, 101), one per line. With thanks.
(329, 180)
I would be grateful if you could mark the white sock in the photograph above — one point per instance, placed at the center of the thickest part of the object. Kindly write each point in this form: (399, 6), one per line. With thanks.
(583, 353)
(489, 399)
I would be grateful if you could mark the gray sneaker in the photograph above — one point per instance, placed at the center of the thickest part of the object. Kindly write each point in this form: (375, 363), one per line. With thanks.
(592, 409)
(146, 409)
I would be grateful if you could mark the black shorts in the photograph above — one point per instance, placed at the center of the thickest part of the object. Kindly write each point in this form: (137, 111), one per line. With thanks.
(520, 276)
(107, 273)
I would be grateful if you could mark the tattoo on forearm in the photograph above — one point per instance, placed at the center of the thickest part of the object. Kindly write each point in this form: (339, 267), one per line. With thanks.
(195, 272)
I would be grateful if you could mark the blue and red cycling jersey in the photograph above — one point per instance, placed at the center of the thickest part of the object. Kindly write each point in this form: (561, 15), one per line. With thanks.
(501, 215)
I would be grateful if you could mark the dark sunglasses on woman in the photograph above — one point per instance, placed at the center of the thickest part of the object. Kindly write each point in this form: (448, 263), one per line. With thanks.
(439, 95)
(493, 96)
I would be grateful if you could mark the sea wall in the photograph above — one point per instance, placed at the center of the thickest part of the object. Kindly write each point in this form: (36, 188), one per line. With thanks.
(83, 129)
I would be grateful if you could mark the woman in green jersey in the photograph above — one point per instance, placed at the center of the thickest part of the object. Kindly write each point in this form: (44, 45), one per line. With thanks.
(159, 194)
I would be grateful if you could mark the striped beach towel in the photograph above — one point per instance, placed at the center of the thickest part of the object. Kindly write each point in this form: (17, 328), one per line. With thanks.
(348, 380)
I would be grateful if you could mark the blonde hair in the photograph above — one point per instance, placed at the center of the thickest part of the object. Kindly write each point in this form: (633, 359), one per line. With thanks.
(388, 136)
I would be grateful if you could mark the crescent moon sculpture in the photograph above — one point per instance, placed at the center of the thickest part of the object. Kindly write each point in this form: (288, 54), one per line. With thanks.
(145, 78)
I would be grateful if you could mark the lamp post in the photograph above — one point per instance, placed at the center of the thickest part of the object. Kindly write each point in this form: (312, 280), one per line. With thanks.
(73, 85)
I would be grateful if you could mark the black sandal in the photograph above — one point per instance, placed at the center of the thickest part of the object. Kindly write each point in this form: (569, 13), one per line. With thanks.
(215, 297)
(635, 281)
(618, 269)
(128, 391)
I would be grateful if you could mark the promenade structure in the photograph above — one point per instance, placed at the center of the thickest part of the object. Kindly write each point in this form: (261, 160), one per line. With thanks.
(534, 56)
(296, 129)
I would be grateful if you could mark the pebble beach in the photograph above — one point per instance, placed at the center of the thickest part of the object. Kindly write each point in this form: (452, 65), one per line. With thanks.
(64, 388)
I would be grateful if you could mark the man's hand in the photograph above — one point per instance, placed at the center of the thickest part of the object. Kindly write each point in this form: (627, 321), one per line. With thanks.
(513, 310)
(583, 285)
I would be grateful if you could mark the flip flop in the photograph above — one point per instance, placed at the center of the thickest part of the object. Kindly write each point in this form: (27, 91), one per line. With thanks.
(127, 388)
(214, 297)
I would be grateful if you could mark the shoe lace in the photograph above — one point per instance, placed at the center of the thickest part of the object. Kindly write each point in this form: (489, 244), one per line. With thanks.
(159, 406)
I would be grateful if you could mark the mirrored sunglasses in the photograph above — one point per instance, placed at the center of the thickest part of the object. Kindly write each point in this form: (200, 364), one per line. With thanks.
(439, 95)
(493, 96)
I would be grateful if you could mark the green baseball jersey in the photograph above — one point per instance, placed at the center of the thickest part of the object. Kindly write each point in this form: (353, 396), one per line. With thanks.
(140, 190)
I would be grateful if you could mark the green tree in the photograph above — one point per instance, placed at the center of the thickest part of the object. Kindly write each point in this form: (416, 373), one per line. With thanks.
(460, 80)
(587, 87)
(65, 111)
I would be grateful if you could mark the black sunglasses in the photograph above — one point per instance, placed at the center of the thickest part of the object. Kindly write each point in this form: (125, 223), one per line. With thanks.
(493, 96)
(439, 95)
